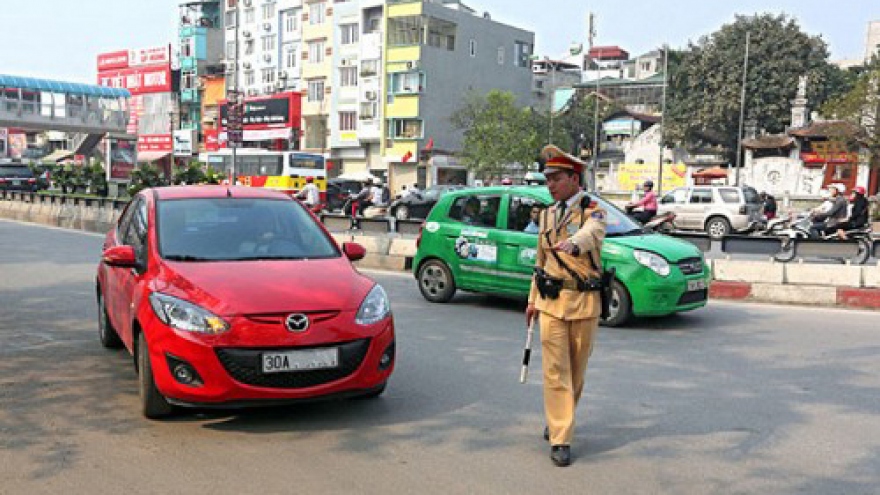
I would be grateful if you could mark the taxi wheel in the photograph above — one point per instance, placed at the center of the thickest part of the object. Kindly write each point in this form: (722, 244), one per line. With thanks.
(436, 282)
(621, 306)
(153, 404)
(106, 333)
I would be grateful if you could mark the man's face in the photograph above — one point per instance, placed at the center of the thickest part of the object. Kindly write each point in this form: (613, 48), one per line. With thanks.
(562, 185)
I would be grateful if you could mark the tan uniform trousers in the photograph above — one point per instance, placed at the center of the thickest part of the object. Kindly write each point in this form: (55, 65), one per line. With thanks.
(566, 346)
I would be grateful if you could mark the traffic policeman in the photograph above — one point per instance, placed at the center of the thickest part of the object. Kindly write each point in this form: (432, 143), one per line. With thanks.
(565, 293)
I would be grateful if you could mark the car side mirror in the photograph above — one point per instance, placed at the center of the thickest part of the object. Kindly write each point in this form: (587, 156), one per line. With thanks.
(354, 251)
(120, 256)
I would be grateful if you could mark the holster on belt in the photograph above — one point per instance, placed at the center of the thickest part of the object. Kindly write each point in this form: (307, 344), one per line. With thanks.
(548, 287)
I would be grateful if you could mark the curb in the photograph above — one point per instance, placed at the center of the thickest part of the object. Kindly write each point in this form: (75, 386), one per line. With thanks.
(803, 295)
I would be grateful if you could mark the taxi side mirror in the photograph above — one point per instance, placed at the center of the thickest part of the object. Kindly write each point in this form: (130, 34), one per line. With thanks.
(354, 251)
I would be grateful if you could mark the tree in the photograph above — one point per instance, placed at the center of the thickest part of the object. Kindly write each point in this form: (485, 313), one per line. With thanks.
(860, 108)
(497, 133)
(574, 128)
(704, 92)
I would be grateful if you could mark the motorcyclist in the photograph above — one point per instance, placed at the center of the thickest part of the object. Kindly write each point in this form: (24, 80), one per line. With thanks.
(858, 217)
(310, 195)
(356, 204)
(648, 204)
(768, 204)
(827, 222)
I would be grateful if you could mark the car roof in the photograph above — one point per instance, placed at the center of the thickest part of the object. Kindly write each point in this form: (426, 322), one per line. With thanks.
(210, 191)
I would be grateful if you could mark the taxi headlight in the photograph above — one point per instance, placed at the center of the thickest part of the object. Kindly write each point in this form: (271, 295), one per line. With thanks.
(186, 316)
(375, 307)
(654, 261)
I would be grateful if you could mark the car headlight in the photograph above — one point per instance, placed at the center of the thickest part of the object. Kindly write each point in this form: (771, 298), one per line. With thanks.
(654, 261)
(186, 316)
(375, 307)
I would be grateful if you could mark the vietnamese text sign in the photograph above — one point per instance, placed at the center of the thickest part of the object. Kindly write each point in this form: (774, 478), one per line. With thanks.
(631, 176)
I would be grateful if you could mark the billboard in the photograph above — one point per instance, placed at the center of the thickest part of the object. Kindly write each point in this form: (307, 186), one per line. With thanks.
(155, 142)
(123, 156)
(631, 176)
(138, 80)
(140, 57)
(282, 110)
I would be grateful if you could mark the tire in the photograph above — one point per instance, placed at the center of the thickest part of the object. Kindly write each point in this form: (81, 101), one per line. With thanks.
(621, 306)
(106, 333)
(865, 246)
(786, 251)
(436, 282)
(153, 404)
(402, 212)
(717, 227)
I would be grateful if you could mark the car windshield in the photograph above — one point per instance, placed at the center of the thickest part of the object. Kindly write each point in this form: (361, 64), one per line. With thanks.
(238, 229)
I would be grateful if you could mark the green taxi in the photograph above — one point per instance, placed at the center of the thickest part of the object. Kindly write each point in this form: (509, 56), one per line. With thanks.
(484, 240)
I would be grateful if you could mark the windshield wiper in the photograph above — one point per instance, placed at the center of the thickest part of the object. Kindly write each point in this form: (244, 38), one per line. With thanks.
(266, 257)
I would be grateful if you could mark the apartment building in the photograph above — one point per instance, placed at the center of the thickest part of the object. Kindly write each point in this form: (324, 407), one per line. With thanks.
(436, 52)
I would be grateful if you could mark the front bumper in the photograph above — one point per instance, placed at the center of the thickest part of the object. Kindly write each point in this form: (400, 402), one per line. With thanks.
(653, 295)
(229, 365)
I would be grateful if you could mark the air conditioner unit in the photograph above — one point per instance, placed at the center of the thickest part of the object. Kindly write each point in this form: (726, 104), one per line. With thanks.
(267, 57)
(412, 64)
(282, 74)
(370, 95)
(246, 65)
(246, 34)
(267, 26)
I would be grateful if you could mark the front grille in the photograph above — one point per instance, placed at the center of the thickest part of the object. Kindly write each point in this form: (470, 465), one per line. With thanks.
(691, 266)
(693, 296)
(246, 365)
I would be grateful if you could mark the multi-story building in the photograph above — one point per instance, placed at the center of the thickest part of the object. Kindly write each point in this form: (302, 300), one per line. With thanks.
(436, 53)
(549, 75)
(317, 70)
(872, 43)
(201, 60)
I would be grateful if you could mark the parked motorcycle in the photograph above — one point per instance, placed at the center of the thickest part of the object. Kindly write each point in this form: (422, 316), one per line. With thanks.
(800, 229)
(663, 223)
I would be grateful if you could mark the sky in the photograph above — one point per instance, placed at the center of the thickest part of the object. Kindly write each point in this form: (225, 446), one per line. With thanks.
(60, 39)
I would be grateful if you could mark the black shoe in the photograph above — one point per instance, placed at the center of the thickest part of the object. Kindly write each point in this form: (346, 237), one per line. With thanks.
(547, 433)
(560, 455)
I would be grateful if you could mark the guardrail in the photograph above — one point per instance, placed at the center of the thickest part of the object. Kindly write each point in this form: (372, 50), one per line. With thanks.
(744, 244)
(53, 198)
(702, 241)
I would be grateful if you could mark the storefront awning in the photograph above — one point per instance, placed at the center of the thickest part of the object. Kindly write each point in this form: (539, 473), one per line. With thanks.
(151, 156)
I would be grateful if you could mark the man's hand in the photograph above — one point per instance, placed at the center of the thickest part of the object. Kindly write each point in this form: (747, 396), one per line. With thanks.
(566, 247)
(530, 313)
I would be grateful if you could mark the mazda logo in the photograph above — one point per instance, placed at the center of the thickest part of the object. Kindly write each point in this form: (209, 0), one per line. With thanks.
(297, 322)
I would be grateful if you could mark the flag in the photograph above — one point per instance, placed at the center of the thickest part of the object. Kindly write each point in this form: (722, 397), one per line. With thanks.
(430, 145)
(407, 157)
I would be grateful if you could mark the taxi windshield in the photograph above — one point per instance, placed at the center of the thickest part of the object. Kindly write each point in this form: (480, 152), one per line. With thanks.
(238, 229)
(617, 223)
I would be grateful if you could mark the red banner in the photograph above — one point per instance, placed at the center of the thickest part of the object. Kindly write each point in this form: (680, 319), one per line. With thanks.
(113, 60)
(139, 81)
(212, 140)
(809, 157)
(155, 142)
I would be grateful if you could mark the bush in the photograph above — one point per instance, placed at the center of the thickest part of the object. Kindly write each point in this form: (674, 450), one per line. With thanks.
(213, 176)
(190, 174)
(143, 177)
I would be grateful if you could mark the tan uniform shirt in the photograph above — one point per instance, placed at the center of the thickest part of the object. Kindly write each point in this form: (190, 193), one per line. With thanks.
(585, 227)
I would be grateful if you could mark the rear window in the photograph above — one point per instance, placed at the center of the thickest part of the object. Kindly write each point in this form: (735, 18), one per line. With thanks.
(15, 171)
(729, 195)
(751, 195)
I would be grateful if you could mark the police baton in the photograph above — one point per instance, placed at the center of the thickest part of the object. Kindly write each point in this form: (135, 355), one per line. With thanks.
(527, 352)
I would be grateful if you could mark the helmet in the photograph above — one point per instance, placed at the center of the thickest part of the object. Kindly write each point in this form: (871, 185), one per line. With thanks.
(310, 179)
(649, 183)
(506, 181)
(859, 190)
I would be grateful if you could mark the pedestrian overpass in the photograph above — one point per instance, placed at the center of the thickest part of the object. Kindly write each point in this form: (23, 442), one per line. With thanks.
(47, 105)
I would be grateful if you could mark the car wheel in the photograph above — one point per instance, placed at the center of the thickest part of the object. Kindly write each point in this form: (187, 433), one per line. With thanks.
(620, 308)
(717, 227)
(436, 282)
(106, 333)
(401, 213)
(153, 404)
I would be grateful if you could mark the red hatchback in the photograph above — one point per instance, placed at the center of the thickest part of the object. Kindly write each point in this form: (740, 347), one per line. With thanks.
(238, 296)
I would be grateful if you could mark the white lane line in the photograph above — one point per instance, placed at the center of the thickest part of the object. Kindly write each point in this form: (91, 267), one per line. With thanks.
(51, 227)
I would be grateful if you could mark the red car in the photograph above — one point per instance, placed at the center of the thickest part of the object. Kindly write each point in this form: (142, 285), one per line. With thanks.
(238, 296)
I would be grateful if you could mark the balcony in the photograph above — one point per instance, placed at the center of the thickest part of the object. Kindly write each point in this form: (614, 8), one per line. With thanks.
(188, 95)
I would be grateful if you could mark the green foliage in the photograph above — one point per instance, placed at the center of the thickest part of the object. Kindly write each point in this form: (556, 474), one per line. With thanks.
(860, 107)
(143, 176)
(213, 176)
(704, 90)
(497, 133)
(192, 173)
(574, 128)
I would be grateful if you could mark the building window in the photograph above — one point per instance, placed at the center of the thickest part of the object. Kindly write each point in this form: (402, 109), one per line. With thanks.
(316, 13)
(290, 58)
(406, 82)
(405, 129)
(249, 47)
(230, 50)
(316, 51)
(188, 80)
(472, 48)
(316, 90)
(347, 121)
(500, 55)
(268, 11)
(368, 110)
(249, 78)
(405, 30)
(522, 53)
(187, 47)
(268, 76)
(230, 18)
(369, 67)
(268, 43)
(348, 76)
(316, 133)
(250, 16)
(348, 33)
(441, 34)
(291, 22)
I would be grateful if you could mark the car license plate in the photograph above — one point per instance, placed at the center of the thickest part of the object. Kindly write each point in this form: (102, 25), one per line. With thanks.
(16, 182)
(302, 360)
(696, 285)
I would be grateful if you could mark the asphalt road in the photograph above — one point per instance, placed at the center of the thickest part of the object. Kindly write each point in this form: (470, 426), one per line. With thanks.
(729, 399)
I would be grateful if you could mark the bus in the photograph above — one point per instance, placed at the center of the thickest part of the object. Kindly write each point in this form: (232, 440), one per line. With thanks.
(284, 171)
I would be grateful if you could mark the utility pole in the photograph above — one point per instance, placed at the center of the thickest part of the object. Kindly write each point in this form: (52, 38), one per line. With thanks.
(663, 119)
(742, 109)
(591, 30)
(237, 96)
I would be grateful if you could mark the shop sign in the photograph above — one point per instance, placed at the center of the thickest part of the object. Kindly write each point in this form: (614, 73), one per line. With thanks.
(138, 80)
(822, 158)
(273, 111)
(154, 142)
(631, 176)
(123, 157)
(183, 142)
